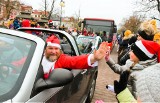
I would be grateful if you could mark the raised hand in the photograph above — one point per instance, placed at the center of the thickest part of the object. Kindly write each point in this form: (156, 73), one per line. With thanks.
(101, 52)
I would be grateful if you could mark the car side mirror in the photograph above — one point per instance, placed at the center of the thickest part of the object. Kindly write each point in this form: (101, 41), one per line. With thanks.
(58, 77)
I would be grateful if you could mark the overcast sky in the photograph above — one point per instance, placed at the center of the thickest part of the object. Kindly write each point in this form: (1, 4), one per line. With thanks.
(108, 9)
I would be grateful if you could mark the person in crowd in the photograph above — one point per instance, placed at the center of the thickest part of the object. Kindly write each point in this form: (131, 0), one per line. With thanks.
(146, 31)
(142, 55)
(16, 23)
(104, 36)
(147, 85)
(33, 22)
(74, 33)
(50, 24)
(54, 57)
(84, 32)
(123, 47)
(26, 23)
(119, 41)
(10, 24)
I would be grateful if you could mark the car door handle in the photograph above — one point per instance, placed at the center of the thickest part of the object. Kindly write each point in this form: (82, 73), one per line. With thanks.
(84, 71)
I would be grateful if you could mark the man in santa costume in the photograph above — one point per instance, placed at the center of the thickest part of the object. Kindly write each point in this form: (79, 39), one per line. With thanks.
(54, 57)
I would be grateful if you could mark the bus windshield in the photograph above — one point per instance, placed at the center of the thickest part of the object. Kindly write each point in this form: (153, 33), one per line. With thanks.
(100, 27)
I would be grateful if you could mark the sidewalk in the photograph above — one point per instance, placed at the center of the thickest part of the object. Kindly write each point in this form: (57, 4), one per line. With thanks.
(105, 76)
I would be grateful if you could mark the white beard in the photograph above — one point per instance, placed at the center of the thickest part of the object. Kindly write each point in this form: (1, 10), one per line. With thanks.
(47, 65)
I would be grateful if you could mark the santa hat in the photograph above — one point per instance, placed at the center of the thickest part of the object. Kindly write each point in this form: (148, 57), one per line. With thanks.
(148, 29)
(145, 50)
(53, 41)
(50, 21)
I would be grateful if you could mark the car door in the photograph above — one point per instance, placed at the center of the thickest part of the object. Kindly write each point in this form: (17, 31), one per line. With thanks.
(76, 91)
(69, 93)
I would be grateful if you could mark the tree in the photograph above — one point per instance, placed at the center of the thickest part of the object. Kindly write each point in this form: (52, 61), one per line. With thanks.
(9, 6)
(47, 7)
(148, 5)
(132, 23)
(51, 11)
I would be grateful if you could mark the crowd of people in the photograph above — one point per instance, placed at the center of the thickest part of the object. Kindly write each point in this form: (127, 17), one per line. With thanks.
(140, 65)
(138, 60)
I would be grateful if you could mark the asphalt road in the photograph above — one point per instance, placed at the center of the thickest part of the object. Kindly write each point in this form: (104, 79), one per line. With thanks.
(105, 76)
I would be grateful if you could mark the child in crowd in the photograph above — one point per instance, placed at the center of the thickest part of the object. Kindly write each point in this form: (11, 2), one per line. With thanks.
(142, 55)
(146, 31)
(147, 85)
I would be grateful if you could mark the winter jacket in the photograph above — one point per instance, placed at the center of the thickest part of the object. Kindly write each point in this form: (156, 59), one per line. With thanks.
(134, 70)
(147, 85)
(126, 97)
(16, 24)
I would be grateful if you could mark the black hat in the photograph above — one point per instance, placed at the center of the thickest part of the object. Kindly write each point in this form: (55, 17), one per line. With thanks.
(145, 36)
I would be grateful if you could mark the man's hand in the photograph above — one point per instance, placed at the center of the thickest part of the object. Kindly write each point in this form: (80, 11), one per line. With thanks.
(101, 52)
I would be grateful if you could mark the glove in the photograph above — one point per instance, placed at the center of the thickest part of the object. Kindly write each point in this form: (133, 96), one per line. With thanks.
(122, 84)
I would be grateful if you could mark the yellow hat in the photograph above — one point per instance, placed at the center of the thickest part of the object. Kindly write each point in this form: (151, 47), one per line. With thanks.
(127, 33)
(157, 37)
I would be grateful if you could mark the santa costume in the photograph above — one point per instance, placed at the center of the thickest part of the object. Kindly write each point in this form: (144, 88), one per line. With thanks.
(65, 61)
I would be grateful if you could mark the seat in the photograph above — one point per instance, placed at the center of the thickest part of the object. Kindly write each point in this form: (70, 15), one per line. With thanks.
(66, 48)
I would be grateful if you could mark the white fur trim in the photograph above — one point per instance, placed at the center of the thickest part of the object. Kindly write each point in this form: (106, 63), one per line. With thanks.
(47, 65)
(53, 44)
(89, 61)
(143, 48)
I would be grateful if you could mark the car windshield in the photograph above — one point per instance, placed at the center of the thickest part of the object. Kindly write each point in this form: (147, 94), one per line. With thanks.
(16, 53)
(86, 44)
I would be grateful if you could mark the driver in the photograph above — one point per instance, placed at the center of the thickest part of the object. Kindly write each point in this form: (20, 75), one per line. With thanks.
(54, 57)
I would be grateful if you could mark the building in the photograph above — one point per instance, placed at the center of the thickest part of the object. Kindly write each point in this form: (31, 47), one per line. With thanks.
(13, 4)
(38, 14)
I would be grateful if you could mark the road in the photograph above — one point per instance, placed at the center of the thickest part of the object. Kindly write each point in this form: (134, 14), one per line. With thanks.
(105, 76)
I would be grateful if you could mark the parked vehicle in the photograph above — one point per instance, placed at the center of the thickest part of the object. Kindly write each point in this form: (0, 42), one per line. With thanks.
(87, 44)
(24, 82)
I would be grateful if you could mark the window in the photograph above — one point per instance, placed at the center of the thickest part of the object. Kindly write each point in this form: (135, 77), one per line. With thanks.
(15, 54)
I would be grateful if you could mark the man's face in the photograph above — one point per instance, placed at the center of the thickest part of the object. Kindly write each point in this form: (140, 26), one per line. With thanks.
(52, 53)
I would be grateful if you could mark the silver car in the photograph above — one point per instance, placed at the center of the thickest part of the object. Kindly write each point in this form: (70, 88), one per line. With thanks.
(21, 73)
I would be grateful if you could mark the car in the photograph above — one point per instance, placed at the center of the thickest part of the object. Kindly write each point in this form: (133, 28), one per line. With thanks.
(87, 44)
(22, 81)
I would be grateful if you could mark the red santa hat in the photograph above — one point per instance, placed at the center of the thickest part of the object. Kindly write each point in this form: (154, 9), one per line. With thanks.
(50, 21)
(146, 49)
(53, 41)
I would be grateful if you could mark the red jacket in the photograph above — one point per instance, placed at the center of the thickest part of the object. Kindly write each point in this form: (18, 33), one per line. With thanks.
(65, 61)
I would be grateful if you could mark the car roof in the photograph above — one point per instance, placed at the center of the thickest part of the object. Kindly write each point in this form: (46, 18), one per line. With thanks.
(19, 33)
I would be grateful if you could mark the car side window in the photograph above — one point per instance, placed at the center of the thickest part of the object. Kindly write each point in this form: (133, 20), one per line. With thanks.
(14, 51)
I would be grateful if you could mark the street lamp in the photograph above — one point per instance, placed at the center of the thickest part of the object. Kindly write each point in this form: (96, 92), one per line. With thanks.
(62, 5)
